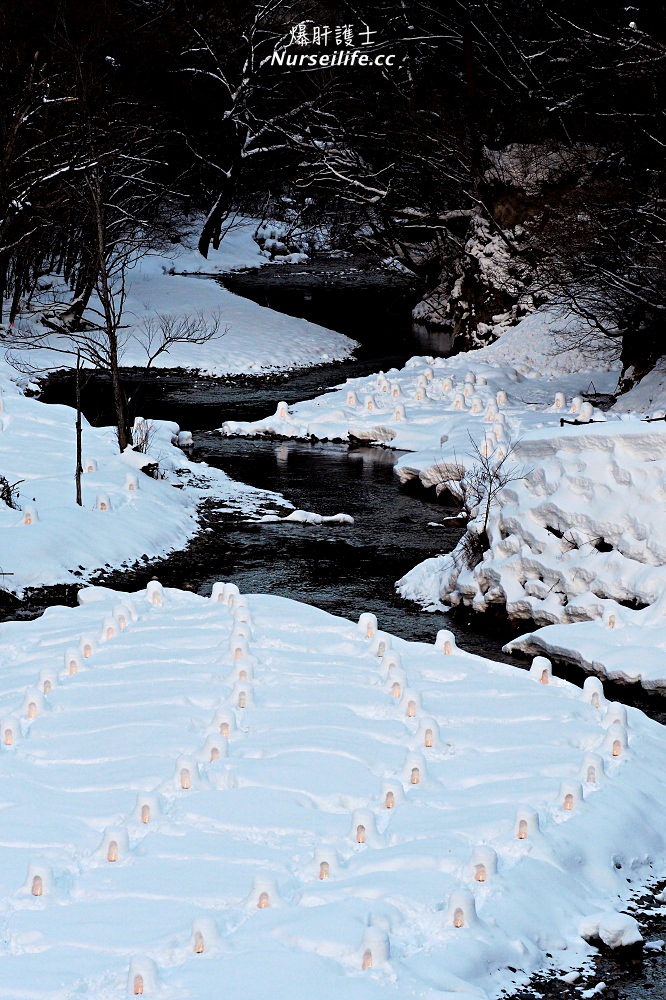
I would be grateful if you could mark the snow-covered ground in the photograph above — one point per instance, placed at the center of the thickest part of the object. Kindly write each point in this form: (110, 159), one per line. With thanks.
(125, 515)
(624, 644)
(252, 338)
(198, 792)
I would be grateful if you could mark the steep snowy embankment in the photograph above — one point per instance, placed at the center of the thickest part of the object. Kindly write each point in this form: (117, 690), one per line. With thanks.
(48, 539)
(252, 792)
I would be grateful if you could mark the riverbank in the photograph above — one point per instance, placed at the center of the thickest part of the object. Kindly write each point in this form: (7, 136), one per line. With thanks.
(145, 820)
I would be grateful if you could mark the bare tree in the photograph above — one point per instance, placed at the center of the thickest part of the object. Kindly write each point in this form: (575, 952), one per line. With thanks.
(159, 333)
(478, 487)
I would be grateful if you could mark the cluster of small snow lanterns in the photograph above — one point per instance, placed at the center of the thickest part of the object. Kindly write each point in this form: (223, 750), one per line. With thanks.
(375, 947)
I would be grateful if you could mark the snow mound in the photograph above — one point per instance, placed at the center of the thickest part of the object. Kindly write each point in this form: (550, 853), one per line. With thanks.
(196, 791)
(580, 531)
(125, 514)
(616, 930)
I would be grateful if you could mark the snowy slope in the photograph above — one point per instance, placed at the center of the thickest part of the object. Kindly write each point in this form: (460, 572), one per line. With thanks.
(143, 849)
(252, 338)
(125, 514)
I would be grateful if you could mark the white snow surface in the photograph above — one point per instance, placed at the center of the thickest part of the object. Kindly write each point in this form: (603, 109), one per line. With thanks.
(93, 896)
(426, 404)
(125, 514)
(253, 338)
(624, 644)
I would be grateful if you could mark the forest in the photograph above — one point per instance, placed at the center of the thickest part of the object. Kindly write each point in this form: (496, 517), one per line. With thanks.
(534, 128)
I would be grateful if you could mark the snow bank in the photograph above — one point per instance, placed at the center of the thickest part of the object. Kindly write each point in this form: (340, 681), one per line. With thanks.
(251, 337)
(278, 865)
(444, 401)
(125, 514)
(581, 530)
(624, 645)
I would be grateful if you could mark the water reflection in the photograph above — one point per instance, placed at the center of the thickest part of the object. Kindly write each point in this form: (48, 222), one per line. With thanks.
(342, 569)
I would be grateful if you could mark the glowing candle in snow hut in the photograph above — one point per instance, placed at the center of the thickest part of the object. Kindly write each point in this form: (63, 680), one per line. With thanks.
(369, 404)
(461, 910)
(147, 808)
(445, 641)
(576, 404)
(47, 680)
(33, 702)
(459, 401)
(185, 773)
(484, 863)
(364, 827)
(380, 644)
(396, 681)
(142, 979)
(108, 629)
(570, 796)
(501, 397)
(391, 660)
(487, 446)
(414, 769)
(10, 730)
(616, 740)
(477, 404)
(90, 465)
(375, 948)
(103, 502)
(112, 851)
(37, 885)
(217, 594)
(541, 670)
(593, 692)
(367, 625)
(399, 413)
(428, 374)
(396, 391)
(282, 410)
(412, 703)
(232, 593)
(30, 515)
(560, 401)
(131, 482)
(526, 824)
(592, 769)
(428, 735)
(240, 649)
(215, 747)
(155, 593)
(491, 412)
(264, 893)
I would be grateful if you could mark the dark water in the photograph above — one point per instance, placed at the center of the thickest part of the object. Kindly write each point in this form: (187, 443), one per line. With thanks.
(344, 569)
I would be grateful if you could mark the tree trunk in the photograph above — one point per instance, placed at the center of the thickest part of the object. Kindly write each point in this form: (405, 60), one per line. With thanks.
(79, 457)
